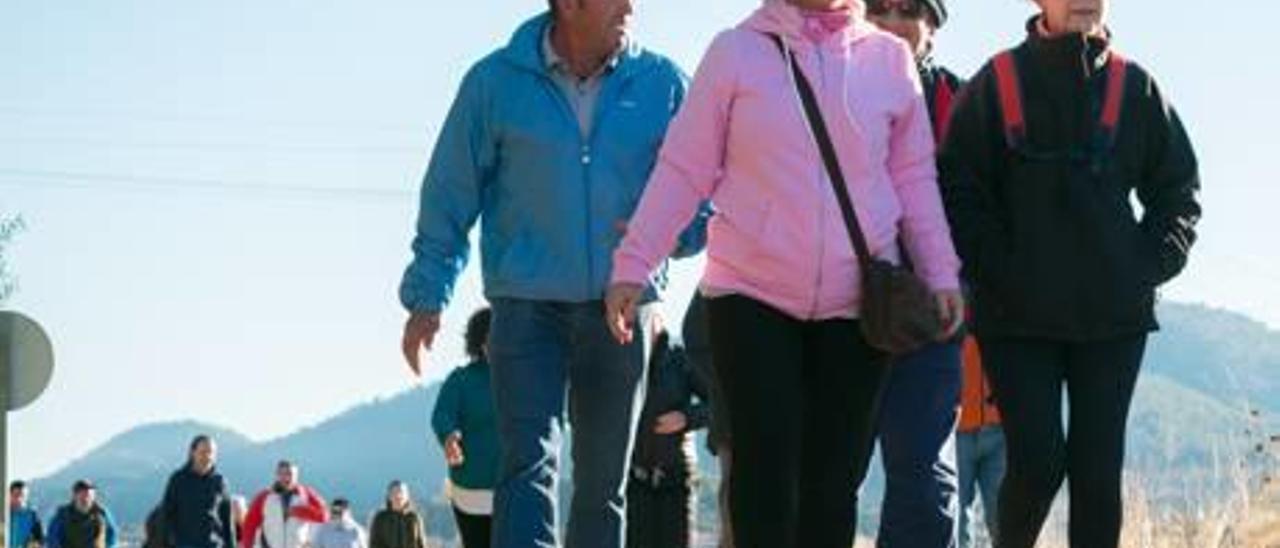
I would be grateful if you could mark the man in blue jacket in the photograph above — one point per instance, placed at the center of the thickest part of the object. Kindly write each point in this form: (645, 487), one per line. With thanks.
(550, 140)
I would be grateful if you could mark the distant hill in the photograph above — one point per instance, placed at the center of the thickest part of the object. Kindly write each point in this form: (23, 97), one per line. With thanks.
(131, 467)
(1205, 373)
(353, 454)
(1225, 355)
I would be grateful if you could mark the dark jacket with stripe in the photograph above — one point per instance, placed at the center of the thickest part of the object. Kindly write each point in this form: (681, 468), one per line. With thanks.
(1048, 231)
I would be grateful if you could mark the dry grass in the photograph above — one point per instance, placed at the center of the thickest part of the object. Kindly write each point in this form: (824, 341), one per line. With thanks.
(1244, 515)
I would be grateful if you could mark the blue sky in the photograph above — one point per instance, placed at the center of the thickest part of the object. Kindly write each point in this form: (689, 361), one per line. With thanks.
(220, 194)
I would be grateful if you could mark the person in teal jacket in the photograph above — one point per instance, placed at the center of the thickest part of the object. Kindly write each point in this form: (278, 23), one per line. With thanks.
(25, 530)
(463, 421)
(548, 145)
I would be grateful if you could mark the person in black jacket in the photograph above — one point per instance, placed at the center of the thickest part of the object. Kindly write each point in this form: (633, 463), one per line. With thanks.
(196, 509)
(660, 494)
(1038, 175)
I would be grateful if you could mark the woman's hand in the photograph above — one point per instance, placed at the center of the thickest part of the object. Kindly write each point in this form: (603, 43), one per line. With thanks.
(951, 308)
(620, 304)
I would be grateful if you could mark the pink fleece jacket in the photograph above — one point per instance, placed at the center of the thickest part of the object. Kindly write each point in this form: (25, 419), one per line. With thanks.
(742, 141)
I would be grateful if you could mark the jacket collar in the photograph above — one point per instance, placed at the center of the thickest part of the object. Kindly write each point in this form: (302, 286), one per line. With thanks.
(1077, 53)
(525, 49)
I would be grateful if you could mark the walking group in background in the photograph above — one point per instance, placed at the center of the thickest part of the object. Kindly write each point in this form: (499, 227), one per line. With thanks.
(817, 139)
(197, 510)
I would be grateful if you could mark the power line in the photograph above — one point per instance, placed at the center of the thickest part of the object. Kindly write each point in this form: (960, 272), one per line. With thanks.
(203, 119)
(96, 181)
(326, 148)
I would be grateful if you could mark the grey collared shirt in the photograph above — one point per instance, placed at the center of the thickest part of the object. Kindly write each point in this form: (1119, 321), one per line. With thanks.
(582, 93)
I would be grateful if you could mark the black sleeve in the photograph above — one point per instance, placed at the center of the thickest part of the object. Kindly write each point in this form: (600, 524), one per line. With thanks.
(697, 406)
(968, 162)
(37, 530)
(1169, 187)
(227, 531)
(169, 511)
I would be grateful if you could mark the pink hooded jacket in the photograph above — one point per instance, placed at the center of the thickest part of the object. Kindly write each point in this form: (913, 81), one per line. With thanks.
(741, 139)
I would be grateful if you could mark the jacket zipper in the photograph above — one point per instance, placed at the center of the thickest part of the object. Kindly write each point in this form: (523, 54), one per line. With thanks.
(822, 199)
(584, 151)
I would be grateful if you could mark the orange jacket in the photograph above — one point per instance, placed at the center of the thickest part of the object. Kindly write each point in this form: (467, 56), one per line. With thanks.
(977, 407)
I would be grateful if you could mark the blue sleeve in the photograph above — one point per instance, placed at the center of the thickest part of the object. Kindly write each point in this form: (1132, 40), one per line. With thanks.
(446, 418)
(463, 159)
(111, 528)
(54, 539)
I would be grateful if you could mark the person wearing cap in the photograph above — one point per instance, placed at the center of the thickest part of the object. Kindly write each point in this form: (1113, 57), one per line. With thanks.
(196, 504)
(341, 531)
(25, 530)
(1048, 148)
(916, 428)
(84, 522)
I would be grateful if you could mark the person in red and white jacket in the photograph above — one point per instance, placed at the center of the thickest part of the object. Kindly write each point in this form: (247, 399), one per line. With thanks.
(282, 516)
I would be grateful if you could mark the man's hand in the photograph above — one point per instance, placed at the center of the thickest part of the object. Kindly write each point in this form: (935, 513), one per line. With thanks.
(453, 450)
(951, 308)
(419, 332)
(671, 422)
(620, 304)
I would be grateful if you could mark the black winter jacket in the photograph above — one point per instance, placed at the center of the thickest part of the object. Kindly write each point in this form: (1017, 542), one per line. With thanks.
(1050, 240)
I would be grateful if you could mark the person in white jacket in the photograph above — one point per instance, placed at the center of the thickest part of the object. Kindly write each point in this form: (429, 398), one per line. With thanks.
(341, 531)
(283, 515)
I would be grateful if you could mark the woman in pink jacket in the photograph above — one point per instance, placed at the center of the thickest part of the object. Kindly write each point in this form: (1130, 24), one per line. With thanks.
(800, 381)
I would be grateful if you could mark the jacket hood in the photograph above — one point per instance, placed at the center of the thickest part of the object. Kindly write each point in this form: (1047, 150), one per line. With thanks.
(782, 18)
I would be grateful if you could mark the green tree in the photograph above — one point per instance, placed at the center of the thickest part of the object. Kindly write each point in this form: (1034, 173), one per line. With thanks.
(10, 226)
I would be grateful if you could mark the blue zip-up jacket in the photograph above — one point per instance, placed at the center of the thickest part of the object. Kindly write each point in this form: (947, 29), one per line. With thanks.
(512, 154)
(25, 528)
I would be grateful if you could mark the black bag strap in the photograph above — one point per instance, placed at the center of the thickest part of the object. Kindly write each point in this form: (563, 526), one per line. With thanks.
(819, 128)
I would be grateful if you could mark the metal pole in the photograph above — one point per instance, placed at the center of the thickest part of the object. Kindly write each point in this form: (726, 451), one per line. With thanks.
(5, 379)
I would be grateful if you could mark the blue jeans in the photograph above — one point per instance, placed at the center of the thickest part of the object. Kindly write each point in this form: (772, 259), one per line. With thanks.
(544, 356)
(917, 446)
(980, 456)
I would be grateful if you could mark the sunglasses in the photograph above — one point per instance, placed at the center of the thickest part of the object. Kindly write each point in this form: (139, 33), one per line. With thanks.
(910, 9)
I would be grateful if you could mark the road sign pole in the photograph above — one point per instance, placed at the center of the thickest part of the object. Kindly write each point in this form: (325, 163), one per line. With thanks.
(4, 448)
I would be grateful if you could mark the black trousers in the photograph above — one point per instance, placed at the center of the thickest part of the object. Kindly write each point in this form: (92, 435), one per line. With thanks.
(659, 517)
(474, 529)
(802, 399)
(1027, 378)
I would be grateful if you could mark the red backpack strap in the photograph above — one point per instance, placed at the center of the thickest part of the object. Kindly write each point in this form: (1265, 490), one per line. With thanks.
(943, 101)
(1015, 125)
(1117, 76)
